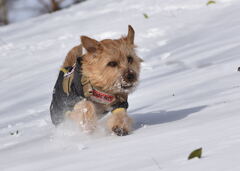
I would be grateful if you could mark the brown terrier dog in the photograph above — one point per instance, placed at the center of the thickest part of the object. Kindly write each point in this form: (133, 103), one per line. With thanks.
(97, 82)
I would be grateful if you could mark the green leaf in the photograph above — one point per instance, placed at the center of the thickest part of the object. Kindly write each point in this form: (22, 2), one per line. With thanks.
(145, 15)
(195, 153)
(211, 2)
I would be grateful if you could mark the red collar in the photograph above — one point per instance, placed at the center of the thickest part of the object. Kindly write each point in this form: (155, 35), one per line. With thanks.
(101, 97)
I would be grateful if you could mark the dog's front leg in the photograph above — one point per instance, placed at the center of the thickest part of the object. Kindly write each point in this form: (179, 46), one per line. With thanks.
(84, 113)
(119, 122)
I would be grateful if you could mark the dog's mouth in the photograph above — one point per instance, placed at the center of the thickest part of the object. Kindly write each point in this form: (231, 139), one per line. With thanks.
(128, 87)
(125, 87)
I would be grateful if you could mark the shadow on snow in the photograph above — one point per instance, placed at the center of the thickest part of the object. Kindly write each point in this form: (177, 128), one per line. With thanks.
(159, 117)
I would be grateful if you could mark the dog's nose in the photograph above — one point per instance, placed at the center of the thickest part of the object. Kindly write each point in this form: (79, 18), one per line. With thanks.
(130, 76)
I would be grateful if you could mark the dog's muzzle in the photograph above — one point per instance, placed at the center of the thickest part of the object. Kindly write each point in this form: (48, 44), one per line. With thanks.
(129, 78)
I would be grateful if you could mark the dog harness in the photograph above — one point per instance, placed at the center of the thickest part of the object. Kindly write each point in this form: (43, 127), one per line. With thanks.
(72, 86)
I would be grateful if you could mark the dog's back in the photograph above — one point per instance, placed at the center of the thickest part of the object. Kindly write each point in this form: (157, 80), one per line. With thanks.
(72, 56)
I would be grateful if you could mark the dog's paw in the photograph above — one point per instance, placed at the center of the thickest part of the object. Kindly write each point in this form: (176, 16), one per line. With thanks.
(88, 127)
(120, 131)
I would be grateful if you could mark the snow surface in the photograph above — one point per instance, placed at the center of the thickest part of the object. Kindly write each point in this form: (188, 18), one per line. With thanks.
(189, 95)
(20, 10)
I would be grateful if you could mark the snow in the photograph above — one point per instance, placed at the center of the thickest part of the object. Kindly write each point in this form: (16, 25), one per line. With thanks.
(20, 10)
(188, 96)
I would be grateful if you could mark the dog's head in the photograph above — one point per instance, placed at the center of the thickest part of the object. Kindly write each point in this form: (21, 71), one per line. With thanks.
(112, 65)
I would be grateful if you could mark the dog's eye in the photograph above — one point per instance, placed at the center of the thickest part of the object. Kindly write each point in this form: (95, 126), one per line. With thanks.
(130, 59)
(112, 64)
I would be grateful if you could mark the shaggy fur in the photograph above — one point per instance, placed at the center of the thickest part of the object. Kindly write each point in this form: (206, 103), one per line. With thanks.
(113, 67)
(72, 56)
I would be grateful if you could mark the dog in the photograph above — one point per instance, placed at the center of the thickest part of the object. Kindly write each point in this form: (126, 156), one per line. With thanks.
(97, 81)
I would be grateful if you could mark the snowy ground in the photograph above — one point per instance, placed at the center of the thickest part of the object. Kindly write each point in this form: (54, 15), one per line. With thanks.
(20, 10)
(188, 98)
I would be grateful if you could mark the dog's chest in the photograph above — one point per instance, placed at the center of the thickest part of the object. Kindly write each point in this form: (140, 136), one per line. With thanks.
(102, 108)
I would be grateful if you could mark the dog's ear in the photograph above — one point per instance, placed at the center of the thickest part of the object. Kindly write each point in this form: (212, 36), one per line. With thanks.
(90, 44)
(130, 35)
